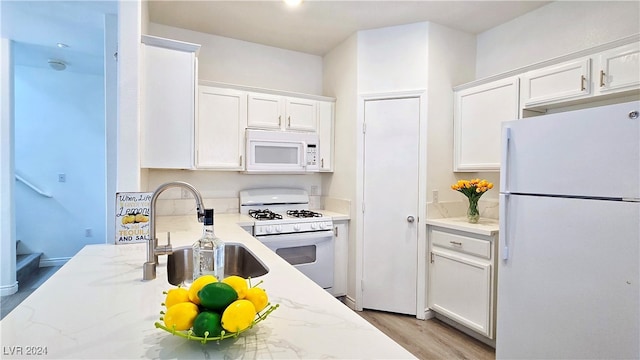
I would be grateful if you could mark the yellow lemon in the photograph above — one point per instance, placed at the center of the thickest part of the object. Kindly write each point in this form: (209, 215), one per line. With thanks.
(176, 296)
(181, 316)
(238, 316)
(197, 285)
(239, 284)
(258, 297)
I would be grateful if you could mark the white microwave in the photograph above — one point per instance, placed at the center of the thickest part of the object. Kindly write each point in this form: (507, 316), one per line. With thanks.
(270, 151)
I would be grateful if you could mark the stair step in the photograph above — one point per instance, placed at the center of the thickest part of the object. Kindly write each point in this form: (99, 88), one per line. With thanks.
(27, 266)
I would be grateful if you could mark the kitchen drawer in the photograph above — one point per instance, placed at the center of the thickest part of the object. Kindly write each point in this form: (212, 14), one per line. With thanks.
(481, 248)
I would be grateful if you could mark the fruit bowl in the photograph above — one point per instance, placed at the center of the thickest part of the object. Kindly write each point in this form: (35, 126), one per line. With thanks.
(212, 310)
(189, 334)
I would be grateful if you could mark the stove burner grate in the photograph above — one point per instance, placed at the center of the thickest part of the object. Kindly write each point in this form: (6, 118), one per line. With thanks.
(265, 214)
(303, 213)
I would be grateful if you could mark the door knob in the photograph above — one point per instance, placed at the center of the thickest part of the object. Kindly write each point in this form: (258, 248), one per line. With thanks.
(410, 219)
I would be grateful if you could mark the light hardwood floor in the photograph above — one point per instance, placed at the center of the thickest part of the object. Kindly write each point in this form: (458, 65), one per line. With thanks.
(428, 339)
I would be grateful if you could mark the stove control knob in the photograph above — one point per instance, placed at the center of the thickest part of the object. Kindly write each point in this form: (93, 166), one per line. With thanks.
(278, 228)
(296, 227)
(314, 226)
(269, 229)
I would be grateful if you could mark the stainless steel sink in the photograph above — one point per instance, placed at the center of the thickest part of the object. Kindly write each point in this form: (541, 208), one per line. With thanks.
(238, 260)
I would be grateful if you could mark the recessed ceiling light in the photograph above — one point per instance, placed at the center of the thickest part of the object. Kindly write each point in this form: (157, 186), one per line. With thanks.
(62, 45)
(293, 2)
(57, 65)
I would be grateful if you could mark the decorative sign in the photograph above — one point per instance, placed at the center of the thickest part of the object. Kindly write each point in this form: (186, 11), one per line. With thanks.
(132, 217)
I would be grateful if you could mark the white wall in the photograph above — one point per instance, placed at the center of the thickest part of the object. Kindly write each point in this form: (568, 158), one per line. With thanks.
(451, 62)
(238, 62)
(340, 81)
(557, 29)
(392, 59)
(128, 130)
(8, 284)
(59, 129)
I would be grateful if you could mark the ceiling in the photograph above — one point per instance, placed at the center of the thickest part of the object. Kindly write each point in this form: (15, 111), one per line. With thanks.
(314, 27)
(317, 26)
(37, 26)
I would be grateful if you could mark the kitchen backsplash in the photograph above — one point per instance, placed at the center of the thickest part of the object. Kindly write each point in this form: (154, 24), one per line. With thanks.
(442, 209)
(168, 207)
(450, 209)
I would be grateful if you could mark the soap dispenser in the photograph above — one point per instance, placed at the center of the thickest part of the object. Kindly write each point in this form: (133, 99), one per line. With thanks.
(208, 251)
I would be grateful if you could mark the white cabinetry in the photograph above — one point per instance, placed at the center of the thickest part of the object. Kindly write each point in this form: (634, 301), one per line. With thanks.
(478, 114)
(168, 103)
(618, 69)
(266, 111)
(220, 126)
(325, 134)
(341, 247)
(462, 277)
(558, 83)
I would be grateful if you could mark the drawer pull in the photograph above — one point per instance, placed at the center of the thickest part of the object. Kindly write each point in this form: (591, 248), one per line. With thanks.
(455, 243)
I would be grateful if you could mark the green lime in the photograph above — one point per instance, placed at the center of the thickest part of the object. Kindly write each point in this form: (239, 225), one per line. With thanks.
(217, 296)
(207, 321)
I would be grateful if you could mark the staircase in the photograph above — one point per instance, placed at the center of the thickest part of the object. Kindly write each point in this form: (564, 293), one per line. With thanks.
(27, 265)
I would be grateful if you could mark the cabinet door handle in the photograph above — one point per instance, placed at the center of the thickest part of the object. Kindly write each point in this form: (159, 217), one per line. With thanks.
(322, 163)
(289, 119)
(582, 79)
(601, 78)
(431, 257)
(280, 120)
(335, 231)
(457, 243)
(240, 160)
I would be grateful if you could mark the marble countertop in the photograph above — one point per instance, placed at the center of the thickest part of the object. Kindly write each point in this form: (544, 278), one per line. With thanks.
(485, 226)
(97, 306)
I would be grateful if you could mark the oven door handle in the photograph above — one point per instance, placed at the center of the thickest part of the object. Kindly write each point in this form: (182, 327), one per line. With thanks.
(297, 239)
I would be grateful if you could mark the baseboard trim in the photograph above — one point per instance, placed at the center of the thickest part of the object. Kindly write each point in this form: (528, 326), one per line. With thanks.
(429, 314)
(54, 261)
(350, 302)
(466, 330)
(9, 289)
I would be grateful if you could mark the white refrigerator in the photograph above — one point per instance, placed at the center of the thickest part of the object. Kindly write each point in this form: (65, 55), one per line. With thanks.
(568, 267)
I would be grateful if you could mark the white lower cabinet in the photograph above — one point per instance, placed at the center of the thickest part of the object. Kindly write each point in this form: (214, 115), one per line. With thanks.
(341, 248)
(462, 278)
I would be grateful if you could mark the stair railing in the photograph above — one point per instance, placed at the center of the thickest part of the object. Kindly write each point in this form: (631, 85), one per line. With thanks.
(31, 186)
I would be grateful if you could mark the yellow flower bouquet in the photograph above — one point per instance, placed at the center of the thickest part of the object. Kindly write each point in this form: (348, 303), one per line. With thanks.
(473, 189)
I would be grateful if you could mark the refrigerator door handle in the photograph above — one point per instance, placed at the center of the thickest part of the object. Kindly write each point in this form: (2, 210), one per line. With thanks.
(504, 161)
(504, 245)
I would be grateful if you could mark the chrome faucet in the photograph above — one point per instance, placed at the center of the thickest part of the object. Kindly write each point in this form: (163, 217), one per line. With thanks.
(153, 249)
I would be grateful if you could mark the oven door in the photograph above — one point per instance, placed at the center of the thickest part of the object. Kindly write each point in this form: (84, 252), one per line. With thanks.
(312, 253)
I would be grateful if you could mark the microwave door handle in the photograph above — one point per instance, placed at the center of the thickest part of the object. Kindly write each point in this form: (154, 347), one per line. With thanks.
(304, 154)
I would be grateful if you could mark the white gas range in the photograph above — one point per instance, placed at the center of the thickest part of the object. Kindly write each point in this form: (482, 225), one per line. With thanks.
(285, 224)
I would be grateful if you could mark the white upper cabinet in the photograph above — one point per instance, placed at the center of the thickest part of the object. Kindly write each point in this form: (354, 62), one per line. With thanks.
(618, 69)
(301, 114)
(220, 127)
(168, 103)
(325, 134)
(557, 83)
(266, 111)
(478, 114)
